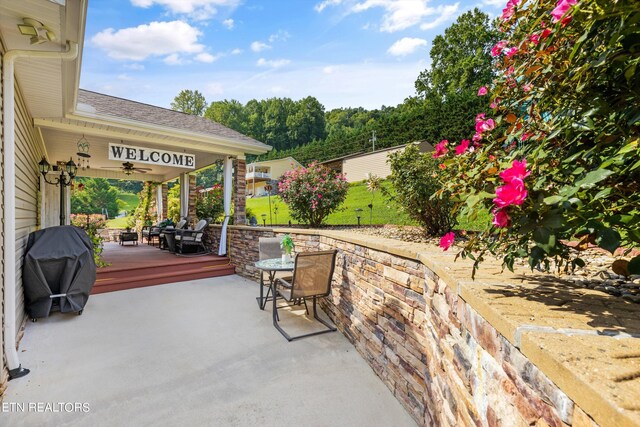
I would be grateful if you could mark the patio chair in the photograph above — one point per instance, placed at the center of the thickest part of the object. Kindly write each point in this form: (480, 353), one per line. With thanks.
(311, 279)
(151, 232)
(183, 223)
(188, 239)
(269, 248)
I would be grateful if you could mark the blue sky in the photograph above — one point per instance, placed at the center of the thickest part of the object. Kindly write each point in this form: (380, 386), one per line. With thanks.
(346, 53)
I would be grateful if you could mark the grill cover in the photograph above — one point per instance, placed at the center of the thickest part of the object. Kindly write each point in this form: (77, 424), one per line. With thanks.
(59, 260)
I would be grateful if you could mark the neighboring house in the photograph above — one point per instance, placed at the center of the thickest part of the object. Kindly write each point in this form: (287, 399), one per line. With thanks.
(260, 174)
(357, 166)
(45, 116)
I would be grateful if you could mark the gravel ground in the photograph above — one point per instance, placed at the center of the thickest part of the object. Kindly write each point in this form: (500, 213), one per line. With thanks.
(597, 274)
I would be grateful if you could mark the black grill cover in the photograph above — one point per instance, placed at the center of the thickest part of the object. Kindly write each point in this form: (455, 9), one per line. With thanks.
(59, 260)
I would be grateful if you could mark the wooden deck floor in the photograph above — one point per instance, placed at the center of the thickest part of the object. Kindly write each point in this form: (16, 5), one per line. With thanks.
(132, 266)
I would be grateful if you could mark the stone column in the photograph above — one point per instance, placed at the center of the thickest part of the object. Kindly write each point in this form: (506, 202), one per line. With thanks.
(192, 199)
(165, 200)
(240, 201)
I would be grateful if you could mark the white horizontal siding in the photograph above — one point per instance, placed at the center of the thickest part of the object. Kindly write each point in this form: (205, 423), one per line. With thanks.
(357, 168)
(28, 154)
(3, 374)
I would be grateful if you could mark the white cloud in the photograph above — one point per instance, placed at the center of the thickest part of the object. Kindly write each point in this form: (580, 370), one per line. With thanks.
(326, 3)
(153, 39)
(214, 88)
(281, 35)
(445, 14)
(195, 9)
(497, 3)
(406, 46)
(402, 14)
(229, 23)
(329, 69)
(259, 46)
(236, 51)
(134, 66)
(205, 57)
(272, 63)
(124, 76)
(173, 59)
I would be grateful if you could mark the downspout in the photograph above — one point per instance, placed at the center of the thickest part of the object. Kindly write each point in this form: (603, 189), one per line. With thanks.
(15, 369)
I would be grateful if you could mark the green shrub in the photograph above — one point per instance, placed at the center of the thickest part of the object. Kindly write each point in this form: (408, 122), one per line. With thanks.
(210, 204)
(567, 167)
(92, 225)
(312, 193)
(414, 179)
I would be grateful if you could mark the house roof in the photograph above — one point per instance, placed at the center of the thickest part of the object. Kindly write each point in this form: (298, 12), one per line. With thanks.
(132, 110)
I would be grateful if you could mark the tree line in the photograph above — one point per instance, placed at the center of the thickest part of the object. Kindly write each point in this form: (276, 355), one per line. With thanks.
(445, 103)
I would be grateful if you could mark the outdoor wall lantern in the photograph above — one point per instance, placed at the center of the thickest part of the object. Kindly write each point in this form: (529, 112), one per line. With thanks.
(70, 168)
(264, 220)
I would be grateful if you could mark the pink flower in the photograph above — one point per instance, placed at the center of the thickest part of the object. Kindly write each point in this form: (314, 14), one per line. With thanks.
(492, 157)
(500, 218)
(441, 149)
(462, 147)
(482, 91)
(512, 193)
(518, 170)
(495, 103)
(508, 11)
(525, 136)
(497, 49)
(485, 126)
(562, 7)
(545, 33)
(447, 240)
(511, 51)
(534, 38)
(477, 137)
(510, 70)
(442, 166)
(480, 118)
(527, 87)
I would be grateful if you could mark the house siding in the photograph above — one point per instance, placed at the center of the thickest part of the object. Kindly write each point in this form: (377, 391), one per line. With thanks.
(28, 153)
(357, 168)
(4, 377)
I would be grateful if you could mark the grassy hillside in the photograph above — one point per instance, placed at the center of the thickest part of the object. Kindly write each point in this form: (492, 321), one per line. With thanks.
(126, 202)
(384, 211)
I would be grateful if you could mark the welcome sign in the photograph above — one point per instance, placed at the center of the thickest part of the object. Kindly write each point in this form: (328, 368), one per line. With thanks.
(151, 156)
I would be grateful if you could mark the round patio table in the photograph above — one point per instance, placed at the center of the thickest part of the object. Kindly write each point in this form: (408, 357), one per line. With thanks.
(271, 266)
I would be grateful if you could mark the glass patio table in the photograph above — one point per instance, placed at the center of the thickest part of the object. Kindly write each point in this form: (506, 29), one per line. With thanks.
(270, 266)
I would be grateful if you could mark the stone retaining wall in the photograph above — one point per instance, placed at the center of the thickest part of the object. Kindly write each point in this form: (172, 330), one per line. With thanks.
(443, 360)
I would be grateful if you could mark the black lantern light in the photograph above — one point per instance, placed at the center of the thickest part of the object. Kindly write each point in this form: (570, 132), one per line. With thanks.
(70, 168)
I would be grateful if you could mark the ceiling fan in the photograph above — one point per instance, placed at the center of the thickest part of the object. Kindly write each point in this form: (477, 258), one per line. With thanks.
(128, 168)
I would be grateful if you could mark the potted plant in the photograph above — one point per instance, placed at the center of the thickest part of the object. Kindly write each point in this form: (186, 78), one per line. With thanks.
(287, 245)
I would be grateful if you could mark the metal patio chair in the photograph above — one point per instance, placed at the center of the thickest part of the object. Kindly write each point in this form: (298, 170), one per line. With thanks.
(186, 239)
(269, 248)
(311, 279)
(164, 242)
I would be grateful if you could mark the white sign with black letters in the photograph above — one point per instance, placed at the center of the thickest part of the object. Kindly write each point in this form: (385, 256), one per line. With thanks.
(151, 156)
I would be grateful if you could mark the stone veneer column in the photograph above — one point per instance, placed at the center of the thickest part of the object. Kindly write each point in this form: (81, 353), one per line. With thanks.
(165, 200)
(192, 199)
(240, 201)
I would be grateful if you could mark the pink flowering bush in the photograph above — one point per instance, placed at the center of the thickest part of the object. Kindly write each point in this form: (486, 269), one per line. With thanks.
(556, 159)
(210, 203)
(312, 193)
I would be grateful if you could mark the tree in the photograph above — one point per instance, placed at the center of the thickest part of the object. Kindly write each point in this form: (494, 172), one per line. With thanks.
(229, 113)
(95, 196)
(190, 102)
(460, 59)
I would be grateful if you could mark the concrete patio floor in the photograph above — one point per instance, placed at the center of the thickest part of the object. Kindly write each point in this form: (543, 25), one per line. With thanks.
(193, 353)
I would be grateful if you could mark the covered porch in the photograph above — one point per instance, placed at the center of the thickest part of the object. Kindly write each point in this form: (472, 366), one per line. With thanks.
(132, 357)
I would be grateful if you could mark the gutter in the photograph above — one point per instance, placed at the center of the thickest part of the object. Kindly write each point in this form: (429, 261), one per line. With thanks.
(15, 369)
